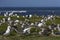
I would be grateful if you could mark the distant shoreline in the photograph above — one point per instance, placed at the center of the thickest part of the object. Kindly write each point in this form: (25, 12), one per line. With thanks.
(34, 10)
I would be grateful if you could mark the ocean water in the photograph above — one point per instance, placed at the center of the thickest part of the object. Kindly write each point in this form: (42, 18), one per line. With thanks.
(33, 10)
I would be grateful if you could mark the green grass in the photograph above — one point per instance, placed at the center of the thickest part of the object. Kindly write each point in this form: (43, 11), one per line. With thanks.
(57, 20)
(3, 27)
(16, 36)
(20, 18)
(49, 22)
(35, 19)
(31, 37)
(2, 17)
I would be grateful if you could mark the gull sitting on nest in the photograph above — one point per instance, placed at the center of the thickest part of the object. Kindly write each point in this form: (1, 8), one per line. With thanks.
(5, 15)
(40, 24)
(27, 30)
(9, 18)
(17, 16)
(49, 17)
(3, 20)
(7, 31)
(30, 16)
(16, 20)
(10, 14)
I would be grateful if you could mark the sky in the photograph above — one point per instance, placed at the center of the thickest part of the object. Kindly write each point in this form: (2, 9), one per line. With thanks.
(29, 3)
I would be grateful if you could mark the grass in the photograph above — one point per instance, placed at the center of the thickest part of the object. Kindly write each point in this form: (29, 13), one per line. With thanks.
(20, 18)
(16, 36)
(35, 19)
(3, 27)
(31, 37)
(48, 22)
(57, 20)
(1, 17)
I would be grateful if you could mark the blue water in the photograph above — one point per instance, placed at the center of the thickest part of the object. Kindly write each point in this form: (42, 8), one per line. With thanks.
(34, 10)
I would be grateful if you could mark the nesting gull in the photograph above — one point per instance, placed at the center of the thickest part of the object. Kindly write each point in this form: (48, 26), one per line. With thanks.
(7, 31)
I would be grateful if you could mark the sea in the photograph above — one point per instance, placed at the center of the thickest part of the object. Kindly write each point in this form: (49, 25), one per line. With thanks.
(32, 10)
